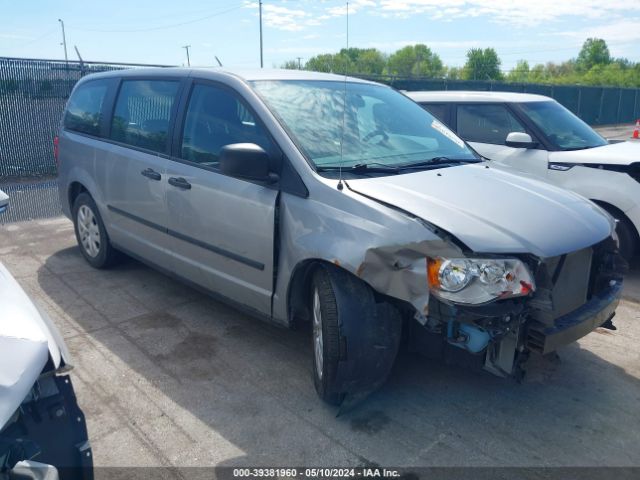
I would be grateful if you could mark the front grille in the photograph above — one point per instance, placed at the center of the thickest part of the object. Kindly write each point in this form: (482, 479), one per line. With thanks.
(566, 282)
(565, 285)
(562, 284)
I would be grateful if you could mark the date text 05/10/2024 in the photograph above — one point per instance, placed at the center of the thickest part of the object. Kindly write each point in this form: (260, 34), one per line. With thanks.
(324, 473)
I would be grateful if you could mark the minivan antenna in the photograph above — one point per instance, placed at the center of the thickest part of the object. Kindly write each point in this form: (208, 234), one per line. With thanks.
(344, 104)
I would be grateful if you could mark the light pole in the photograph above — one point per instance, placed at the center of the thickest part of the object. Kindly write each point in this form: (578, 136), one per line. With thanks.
(299, 63)
(260, 8)
(187, 47)
(64, 41)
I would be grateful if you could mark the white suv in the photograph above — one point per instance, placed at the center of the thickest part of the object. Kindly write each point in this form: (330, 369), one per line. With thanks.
(534, 135)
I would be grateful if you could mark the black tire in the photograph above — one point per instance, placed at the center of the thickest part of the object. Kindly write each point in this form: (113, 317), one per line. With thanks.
(325, 380)
(360, 336)
(97, 250)
(627, 237)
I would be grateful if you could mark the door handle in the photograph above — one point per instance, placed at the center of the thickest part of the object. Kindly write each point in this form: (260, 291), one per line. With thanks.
(151, 173)
(179, 182)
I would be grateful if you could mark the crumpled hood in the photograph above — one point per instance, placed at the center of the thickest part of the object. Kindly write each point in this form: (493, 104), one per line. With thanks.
(28, 339)
(492, 211)
(623, 153)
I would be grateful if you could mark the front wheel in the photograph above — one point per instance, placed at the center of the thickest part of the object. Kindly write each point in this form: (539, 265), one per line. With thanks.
(326, 339)
(355, 337)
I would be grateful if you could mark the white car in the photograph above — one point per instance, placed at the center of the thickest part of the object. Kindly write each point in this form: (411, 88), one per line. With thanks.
(42, 428)
(536, 136)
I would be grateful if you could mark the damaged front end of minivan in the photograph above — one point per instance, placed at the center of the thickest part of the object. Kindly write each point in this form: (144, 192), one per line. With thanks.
(494, 312)
(456, 285)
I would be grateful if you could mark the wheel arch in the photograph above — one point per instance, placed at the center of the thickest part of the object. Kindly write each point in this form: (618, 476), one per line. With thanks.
(616, 212)
(299, 289)
(75, 189)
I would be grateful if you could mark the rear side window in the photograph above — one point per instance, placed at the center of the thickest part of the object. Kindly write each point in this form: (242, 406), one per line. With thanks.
(438, 110)
(142, 113)
(486, 123)
(215, 118)
(85, 106)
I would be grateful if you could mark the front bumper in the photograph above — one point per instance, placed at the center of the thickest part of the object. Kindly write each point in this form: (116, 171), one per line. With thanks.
(49, 428)
(576, 324)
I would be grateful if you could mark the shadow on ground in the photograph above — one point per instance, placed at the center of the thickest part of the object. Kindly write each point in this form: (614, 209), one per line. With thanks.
(211, 385)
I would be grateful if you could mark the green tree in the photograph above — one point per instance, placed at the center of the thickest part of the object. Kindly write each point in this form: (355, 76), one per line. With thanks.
(594, 52)
(520, 73)
(453, 73)
(538, 74)
(482, 65)
(321, 63)
(365, 61)
(415, 61)
(291, 65)
(370, 61)
(593, 66)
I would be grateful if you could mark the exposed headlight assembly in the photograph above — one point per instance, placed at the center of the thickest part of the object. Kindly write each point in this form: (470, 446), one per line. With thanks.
(474, 281)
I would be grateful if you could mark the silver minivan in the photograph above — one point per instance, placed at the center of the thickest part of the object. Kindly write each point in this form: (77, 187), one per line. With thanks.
(312, 198)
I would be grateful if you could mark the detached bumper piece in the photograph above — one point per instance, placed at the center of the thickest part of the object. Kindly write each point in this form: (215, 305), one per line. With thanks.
(576, 324)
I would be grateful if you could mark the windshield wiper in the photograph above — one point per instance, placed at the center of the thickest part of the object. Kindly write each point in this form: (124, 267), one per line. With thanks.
(360, 168)
(375, 167)
(437, 162)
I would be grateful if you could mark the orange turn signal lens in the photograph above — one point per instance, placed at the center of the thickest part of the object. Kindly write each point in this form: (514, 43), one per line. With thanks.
(433, 272)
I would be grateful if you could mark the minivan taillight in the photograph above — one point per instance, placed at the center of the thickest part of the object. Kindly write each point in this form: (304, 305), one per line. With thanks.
(55, 150)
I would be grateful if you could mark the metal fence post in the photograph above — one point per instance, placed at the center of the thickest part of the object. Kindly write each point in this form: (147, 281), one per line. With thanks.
(619, 105)
(578, 113)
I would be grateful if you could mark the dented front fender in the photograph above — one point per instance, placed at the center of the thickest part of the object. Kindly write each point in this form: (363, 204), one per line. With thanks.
(384, 247)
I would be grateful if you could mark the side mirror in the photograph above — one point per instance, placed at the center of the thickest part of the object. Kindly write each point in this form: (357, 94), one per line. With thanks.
(247, 161)
(4, 201)
(520, 140)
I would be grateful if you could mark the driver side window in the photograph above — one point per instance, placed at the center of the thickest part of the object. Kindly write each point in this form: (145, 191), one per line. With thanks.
(216, 117)
(486, 123)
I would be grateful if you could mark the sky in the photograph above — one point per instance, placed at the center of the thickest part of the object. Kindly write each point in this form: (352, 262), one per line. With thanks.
(155, 31)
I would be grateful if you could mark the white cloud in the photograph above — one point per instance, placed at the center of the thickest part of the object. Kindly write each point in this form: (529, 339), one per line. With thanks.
(354, 7)
(284, 18)
(617, 32)
(517, 12)
(302, 14)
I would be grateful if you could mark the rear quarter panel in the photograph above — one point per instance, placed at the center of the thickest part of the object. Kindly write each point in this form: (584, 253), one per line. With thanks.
(77, 159)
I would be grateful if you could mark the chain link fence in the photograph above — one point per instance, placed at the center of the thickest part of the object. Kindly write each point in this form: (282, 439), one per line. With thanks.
(33, 94)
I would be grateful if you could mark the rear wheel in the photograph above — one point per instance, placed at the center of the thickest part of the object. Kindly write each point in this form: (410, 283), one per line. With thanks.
(91, 235)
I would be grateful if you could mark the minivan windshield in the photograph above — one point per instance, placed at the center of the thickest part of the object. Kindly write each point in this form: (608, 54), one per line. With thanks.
(561, 127)
(353, 124)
